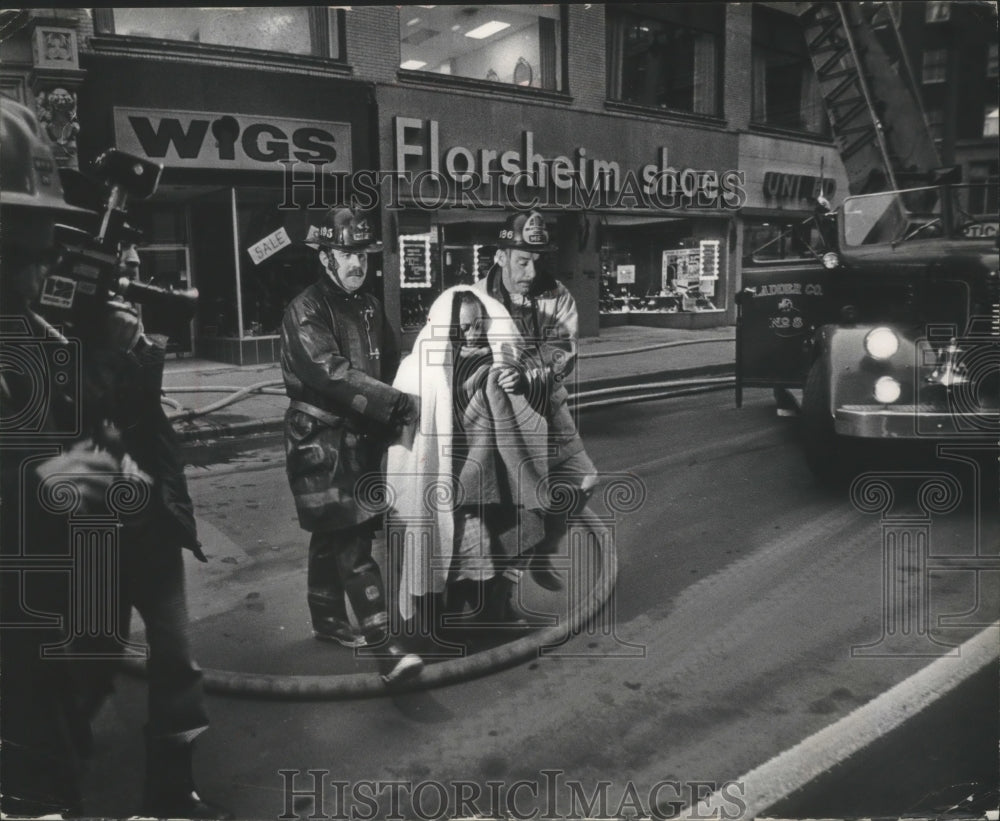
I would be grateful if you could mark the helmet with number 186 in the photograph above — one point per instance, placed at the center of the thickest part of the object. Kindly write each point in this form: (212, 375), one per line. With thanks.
(525, 232)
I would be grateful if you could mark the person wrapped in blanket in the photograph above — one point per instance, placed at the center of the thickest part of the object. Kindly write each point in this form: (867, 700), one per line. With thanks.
(461, 474)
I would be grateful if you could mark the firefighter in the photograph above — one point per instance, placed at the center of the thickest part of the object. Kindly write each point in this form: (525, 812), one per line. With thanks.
(337, 357)
(546, 316)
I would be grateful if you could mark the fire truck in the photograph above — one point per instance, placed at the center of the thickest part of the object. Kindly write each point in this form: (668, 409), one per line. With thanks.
(880, 318)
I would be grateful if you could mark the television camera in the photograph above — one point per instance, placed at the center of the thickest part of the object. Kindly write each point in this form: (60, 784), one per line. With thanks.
(86, 280)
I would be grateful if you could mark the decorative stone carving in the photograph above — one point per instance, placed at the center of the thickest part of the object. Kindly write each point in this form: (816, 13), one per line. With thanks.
(57, 116)
(55, 48)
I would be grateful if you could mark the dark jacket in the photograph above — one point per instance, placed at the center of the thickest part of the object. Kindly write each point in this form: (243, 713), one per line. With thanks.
(337, 355)
(133, 404)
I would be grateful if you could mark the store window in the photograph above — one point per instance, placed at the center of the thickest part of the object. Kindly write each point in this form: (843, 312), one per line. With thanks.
(666, 57)
(657, 266)
(518, 45)
(310, 31)
(785, 89)
(935, 66)
(438, 256)
(269, 281)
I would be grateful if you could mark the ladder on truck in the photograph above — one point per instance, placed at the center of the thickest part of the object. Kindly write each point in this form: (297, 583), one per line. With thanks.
(870, 94)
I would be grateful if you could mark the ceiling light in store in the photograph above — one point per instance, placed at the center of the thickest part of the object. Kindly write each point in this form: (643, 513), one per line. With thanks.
(412, 65)
(413, 22)
(487, 30)
(456, 27)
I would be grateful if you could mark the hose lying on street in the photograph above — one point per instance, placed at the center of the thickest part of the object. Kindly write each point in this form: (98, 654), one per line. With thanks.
(361, 685)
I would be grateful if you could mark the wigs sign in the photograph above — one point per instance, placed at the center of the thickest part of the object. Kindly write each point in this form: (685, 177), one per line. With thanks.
(193, 139)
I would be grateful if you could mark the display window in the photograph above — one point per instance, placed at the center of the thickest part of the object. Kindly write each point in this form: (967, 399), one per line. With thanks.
(661, 268)
(440, 257)
(269, 281)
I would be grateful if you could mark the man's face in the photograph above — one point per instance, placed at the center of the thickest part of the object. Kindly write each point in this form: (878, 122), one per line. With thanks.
(518, 269)
(349, 269)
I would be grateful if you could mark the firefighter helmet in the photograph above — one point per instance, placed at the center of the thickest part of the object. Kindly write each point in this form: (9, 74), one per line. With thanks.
(525, 232)
(29, 177)
(342, 229)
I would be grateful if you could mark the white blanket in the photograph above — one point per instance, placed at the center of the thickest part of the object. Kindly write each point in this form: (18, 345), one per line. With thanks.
(419, 475)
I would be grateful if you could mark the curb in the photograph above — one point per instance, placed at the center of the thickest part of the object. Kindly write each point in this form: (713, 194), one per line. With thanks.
(219, 430)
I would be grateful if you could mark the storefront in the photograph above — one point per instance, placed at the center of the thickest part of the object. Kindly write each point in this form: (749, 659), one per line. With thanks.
(784, 179)
(224, 218)
(619, 196)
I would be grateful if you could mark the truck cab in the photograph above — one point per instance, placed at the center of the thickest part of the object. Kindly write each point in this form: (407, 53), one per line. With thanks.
(889, 325)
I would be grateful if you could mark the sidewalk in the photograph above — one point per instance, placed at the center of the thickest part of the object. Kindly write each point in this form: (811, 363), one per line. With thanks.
(187, 381)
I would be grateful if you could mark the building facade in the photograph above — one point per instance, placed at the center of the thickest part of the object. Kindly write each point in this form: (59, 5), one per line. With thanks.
(659, 140)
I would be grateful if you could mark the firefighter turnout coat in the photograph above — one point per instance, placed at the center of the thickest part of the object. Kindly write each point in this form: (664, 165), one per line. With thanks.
(337, 354)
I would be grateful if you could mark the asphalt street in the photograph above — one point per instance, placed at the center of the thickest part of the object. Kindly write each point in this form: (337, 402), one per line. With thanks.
(753, 609)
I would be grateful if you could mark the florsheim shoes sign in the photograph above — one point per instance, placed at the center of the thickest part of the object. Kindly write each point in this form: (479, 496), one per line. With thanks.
(202, 139)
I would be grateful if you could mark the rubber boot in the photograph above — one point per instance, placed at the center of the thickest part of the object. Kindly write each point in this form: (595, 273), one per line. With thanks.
(502, 609)
(366, 593)
(169, 790)
(556, 527)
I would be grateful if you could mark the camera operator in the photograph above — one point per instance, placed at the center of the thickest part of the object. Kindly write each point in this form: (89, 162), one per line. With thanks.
(41, 720)
(123, 385)
(124, 431)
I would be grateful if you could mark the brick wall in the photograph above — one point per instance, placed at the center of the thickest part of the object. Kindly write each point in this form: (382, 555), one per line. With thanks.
(373, 42)
(587, 73)
(85, 27)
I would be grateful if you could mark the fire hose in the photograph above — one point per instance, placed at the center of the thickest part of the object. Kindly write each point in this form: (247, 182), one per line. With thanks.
(580, 612)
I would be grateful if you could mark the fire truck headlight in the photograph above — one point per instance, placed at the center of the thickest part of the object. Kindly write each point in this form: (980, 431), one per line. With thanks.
(881, 343)
(830, 260)
(887, 390)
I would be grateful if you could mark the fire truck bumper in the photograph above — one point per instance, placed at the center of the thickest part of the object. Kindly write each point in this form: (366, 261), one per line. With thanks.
(914, 421)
